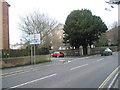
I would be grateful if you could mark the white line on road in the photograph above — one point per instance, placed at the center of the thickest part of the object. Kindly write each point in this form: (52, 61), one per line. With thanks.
(113, 80)
(61, 60)
(34, 80)
(100, 59)
(80, 58)
(67, 62)
(78, 67)
(107, 79)
(11, 73)
(21, 71)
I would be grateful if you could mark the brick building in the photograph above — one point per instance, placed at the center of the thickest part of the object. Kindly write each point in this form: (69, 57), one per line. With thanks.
(4, 24)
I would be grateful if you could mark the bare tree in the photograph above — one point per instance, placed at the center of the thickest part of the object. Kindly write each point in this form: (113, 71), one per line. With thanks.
(113, 2)
(115, 24)
(36, 23)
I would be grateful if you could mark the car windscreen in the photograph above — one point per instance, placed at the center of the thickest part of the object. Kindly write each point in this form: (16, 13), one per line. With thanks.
(56, 52)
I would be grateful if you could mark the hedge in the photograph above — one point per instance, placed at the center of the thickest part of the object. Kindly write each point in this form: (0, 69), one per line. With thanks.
(23, 52)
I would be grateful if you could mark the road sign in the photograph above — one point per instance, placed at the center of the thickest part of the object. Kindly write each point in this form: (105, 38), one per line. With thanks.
(34, 39)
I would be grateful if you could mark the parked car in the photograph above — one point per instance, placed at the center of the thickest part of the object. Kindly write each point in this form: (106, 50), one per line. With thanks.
(57, 54)
(106, 52)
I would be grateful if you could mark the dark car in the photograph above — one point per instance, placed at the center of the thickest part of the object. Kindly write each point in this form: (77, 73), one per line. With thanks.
(106, 52)
(57, 54)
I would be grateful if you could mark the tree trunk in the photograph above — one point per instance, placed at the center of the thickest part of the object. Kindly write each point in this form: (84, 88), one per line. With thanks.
(85, 50)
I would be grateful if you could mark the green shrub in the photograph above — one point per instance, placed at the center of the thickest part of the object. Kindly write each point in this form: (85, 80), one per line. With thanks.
(24, 52)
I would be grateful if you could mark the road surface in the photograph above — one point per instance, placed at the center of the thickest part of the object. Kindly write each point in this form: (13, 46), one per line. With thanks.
(68, 72)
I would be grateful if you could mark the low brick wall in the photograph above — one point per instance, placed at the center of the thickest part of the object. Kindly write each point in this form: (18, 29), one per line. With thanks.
(92, 51)
(20, 61)
(68, 52)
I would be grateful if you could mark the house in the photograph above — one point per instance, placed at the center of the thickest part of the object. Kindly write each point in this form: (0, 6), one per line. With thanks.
(57, 38)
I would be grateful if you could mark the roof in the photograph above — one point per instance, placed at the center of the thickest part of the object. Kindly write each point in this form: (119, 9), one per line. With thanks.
(5, 2)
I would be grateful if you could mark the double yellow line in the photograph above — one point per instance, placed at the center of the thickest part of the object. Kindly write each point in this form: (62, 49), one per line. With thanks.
(108, 78)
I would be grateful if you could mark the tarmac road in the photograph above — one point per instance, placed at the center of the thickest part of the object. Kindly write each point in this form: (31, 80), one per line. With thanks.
(69, 72)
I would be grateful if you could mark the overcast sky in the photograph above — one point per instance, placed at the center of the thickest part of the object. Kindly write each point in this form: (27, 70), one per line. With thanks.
(57, 9)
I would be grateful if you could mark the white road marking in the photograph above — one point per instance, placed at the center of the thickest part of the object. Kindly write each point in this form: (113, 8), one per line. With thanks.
(84, 58)
(34, 81)
(23, 70)
(113, 80)
(67, 62)
(61, 60)
(11, 73)
(100, 59)
(78, 67)
(108, 79)
(80, 58)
